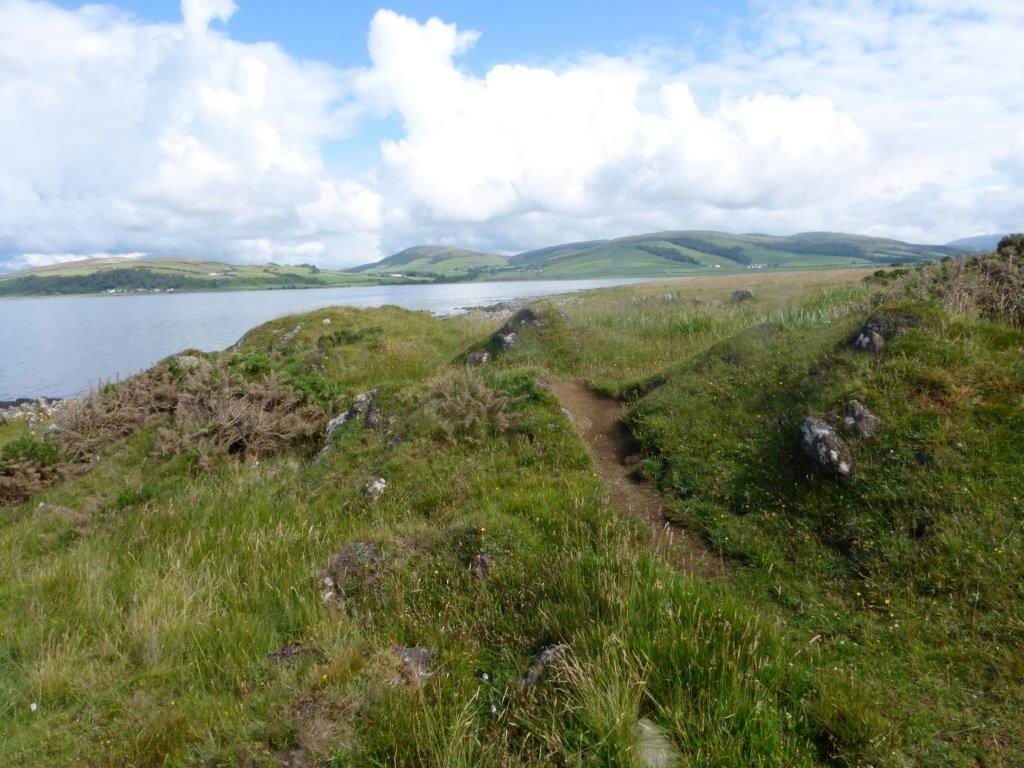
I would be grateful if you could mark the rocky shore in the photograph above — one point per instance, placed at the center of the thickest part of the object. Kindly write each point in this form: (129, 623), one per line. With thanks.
(29, 409)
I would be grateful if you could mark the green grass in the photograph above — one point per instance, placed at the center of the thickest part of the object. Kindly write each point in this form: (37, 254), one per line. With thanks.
(907, 576)
(673, 253)
(132, 276)
(437, 262)
(621, 335)
(144, 597)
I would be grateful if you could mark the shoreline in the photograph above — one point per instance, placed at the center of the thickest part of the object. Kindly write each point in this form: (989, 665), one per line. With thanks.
(497, 310)
(695, 272)
(22, 401)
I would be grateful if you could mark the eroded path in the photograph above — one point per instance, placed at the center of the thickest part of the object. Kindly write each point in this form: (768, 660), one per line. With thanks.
(598, 422)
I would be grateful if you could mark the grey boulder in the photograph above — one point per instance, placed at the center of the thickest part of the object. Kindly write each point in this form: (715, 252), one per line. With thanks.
(828, 452)
(859, 419)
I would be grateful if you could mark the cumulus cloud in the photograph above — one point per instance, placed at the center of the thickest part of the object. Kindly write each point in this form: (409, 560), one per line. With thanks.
(170, 139)
(600, 133)
(876, 116)
(896, 119)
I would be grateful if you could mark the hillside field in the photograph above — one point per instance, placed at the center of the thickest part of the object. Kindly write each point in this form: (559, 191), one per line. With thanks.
(198, 577)
(103, 276)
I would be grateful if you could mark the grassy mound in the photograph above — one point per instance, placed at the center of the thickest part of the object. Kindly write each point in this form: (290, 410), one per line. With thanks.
(169, 606)
(905, 575)
(162, 610)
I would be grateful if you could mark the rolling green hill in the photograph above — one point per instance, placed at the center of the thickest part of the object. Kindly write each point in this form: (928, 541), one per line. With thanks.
(679, 252)
(437, 261)
(659, 254)
(978, 242)
(130, 276)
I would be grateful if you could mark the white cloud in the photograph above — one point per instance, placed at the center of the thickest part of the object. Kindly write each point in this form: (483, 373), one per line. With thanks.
(598, 135)
(170, 139)
(197, 14)
(28, 260)
(895, 118)
(891, 118)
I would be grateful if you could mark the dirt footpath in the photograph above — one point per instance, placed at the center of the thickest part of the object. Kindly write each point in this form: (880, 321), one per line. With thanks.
(598, 422)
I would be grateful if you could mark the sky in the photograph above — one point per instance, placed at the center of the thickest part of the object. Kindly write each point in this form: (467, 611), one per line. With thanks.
(336, 133)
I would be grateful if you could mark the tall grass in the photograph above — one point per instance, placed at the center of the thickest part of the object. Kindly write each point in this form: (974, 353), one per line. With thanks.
(164, 611)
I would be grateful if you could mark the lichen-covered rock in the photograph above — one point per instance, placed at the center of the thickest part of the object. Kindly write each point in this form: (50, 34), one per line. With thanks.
(543, 662)
(883, 327)
(415, 664)
(365, 406)
(827, 450)
(859, 419)
(375, 488)
(869, 340)
(744, 294)
(289, 337)
(506, 340)
(478, 357)
(354, 568)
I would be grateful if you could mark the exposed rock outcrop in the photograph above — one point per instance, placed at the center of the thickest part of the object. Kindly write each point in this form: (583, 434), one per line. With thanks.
(869, 340)
(829, 453)
(478, 357)
(289, 337)
(744, 294)
(506, 340)
(859, 419)
(881, 328)
(375, 488)
(364, 407)
(506, 337)
(354, 568)
(543, 662)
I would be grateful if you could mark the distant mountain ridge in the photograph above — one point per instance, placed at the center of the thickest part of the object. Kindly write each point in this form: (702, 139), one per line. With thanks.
(698, 248)
(659, 254)
(673, 253)
(978, 242)
(434, 260)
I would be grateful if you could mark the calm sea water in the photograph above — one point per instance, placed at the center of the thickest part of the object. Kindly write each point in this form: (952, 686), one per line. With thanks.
(61, 346)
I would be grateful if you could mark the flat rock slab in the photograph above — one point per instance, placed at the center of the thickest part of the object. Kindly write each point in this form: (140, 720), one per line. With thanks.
(654, 748)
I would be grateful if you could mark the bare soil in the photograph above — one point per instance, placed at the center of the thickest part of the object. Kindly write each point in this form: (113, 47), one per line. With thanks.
(598, 422)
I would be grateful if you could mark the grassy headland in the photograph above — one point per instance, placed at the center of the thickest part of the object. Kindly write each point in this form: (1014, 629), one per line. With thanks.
(165, 604)
(124, 276)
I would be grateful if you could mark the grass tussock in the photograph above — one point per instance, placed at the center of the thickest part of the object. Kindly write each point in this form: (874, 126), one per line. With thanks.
(462, 408)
